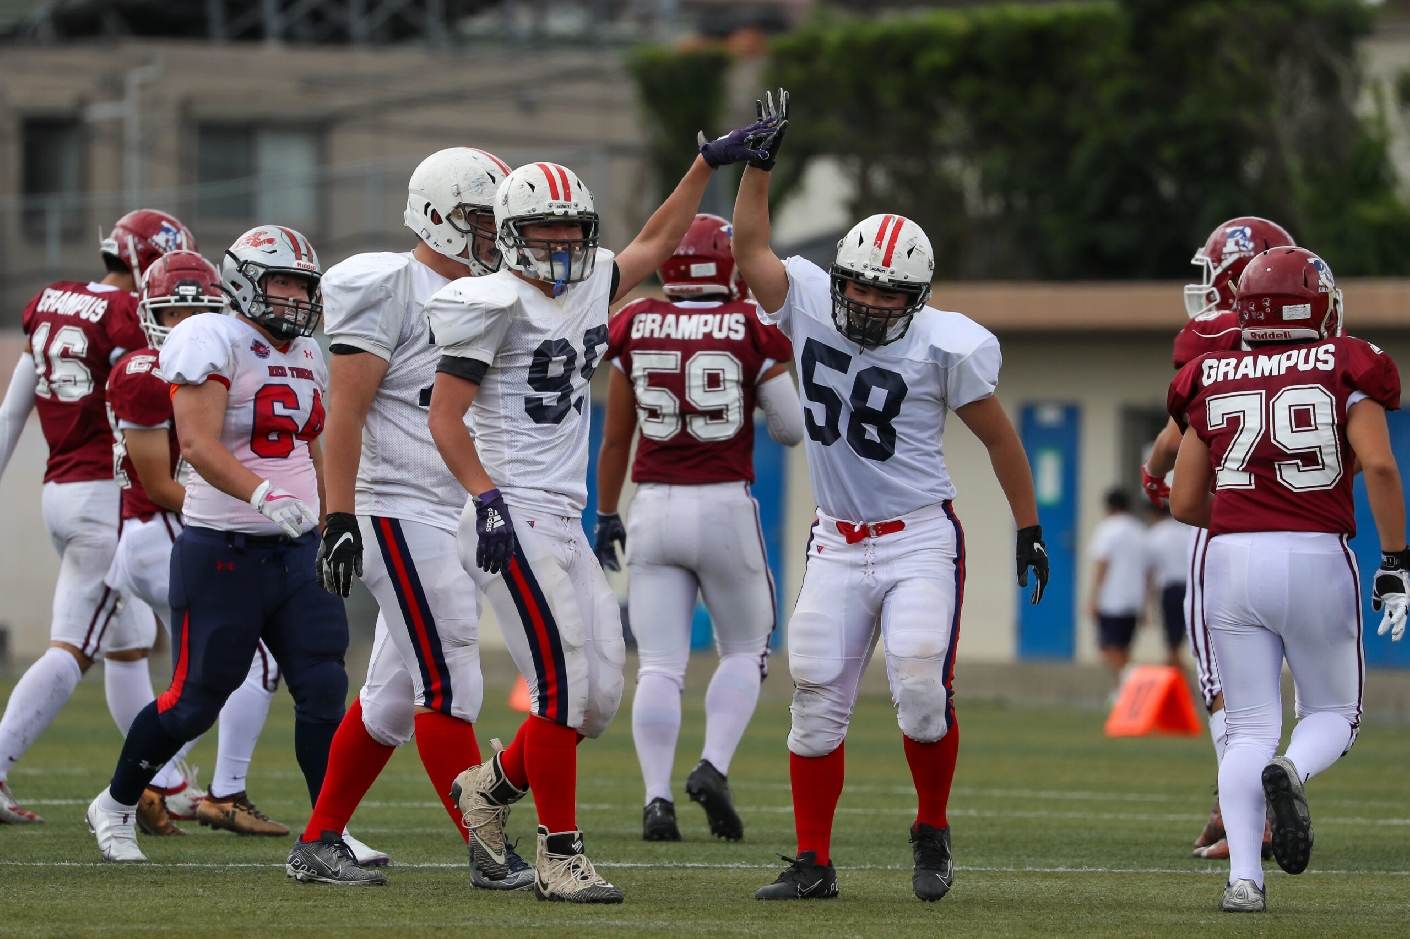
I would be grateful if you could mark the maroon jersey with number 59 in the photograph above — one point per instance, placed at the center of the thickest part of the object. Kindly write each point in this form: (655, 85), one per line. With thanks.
(138, 397)
(1275, 422)
(76, 332)
(694, 367)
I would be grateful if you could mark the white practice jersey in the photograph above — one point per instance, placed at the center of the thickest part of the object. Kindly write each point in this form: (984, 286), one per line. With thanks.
(874, 416)
(274, 409)
(376, 302)
(533, 409)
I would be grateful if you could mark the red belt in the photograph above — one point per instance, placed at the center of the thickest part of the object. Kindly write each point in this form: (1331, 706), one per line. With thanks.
(855, 533)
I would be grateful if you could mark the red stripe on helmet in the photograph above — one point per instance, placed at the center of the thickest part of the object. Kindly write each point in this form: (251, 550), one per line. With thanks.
(567, 186)
(891, 245)
(552, 183)
(294, 241)
(493, 159)
(881, 232)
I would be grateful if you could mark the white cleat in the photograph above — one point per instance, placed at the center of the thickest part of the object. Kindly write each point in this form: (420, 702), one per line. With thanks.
(365, 856)
(116, 831)
(1243, 896)
(10, 811)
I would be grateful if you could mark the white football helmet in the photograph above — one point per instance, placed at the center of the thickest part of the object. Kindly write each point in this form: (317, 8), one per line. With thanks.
(444, 201)
(266, 250)
(885, 252)
(546, 192)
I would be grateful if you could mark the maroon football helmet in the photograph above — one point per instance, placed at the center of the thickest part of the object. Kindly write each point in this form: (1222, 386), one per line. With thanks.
(1223, 257)
(1288, 295)
(178, 279)
(140, 237)
(703, 265)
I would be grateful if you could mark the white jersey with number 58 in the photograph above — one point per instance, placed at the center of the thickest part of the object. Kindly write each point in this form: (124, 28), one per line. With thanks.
(874, 416)
(535, 356)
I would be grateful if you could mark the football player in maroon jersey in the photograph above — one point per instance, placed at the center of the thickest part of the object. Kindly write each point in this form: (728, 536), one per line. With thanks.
(75, 333)
(689, 369)
(1213, 327)
(1272, 434)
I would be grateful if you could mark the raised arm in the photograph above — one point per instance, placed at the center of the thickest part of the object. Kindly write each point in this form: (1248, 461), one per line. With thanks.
(762, 269)
(663, 232)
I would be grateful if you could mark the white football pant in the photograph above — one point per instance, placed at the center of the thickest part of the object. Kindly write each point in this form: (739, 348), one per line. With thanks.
(907, 587)
(560, 619)
(1206, 667)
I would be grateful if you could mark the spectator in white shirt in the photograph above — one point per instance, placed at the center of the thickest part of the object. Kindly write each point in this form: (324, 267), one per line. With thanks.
(1120, 582)
(1168, 550)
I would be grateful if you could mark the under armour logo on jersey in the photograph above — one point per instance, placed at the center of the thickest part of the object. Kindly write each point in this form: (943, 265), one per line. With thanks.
(225, 565)
(308, 353)
(493, 520)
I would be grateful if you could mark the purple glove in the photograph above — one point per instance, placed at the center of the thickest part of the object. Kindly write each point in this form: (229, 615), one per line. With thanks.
(496, 532)
(750, 143)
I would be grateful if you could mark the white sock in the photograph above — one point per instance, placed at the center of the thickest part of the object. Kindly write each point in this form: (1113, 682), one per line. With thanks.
(241, 720)
(1220, 735)
(36, 700)
(1317, 742)
(729, 704)
(107, 803)
(656, 723)
(169, 776)
(129, 689)
(1241, 800)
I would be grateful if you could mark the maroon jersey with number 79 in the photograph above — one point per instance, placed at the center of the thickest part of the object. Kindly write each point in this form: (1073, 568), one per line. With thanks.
(1274, 419)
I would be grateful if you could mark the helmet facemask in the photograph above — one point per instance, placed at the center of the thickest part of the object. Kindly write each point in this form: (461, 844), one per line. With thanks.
(1202, 297)
(868, 325)
(559, 260)
(285, 318)
(476, 224)
(187, 295)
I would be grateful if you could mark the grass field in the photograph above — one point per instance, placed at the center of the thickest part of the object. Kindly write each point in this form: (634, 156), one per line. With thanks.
(1057, 831)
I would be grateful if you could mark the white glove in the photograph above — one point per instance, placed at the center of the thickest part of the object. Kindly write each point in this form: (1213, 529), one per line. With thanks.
(1392, 592)
(283, 509)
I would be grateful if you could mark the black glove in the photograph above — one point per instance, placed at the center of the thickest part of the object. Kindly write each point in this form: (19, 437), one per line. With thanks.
(496, 532)
(1031, 552)
(771, 140)
(339, 554)
(609, 529)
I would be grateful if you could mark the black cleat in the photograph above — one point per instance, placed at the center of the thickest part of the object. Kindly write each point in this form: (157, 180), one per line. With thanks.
(935, 863)
(658, 821)
(329, 861)
(803, 879)
(1288, 815)
(710, 788)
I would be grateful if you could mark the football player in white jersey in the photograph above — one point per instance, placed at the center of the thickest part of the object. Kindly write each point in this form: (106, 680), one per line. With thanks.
(248, 406)
(886, 559)
(520, 346)
(389, 490)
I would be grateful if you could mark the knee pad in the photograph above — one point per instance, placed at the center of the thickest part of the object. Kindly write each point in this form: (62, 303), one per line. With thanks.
(388, 721)
(921, 698)
(819, 721)
(604, 699)
(320, 693)
(814, 649)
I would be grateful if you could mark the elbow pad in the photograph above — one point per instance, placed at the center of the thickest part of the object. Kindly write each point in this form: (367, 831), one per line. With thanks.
(19, 401)
(782, 409)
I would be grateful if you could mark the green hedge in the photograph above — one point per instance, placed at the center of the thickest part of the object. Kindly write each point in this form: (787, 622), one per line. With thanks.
(1100, 140)
(682, 92)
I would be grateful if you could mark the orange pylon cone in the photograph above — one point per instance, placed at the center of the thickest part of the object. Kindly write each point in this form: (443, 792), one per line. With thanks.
(1154, 699)
(519, 699)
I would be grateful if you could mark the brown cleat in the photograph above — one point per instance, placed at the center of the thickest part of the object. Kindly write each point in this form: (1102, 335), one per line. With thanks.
(238, 814)
(152, 816)
(1213, 829)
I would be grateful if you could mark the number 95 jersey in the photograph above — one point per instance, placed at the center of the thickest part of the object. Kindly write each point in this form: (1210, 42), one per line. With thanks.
(1275, 422)
(874, 416)
(534, 357)
(273, 411)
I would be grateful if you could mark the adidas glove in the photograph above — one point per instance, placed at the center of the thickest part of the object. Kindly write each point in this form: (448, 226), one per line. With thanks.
(1155, 489)
(495, 531)
(771, 140)
(1031, 552)
(607, 534)
(1392, 593)
(756, 143)
(283, 509)
(339, 554)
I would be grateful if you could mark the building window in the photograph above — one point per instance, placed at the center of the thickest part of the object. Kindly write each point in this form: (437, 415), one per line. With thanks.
(53, 177)
(258, 175)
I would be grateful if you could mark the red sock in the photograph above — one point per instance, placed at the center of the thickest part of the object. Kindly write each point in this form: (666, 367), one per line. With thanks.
(447, 746)
(354, 762)
(817, 785)
(933, 770)
(551, 757)
(511, 759)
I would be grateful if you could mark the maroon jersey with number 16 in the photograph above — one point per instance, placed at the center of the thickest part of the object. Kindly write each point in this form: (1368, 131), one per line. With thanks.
(138, 397)
(694, 367)
(1215, 331)
(1274, 419)
(76, 332)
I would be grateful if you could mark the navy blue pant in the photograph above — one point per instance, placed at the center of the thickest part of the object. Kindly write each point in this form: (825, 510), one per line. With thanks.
(229, 591)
